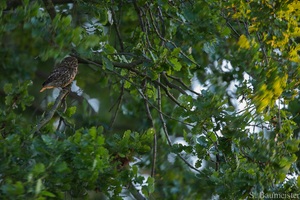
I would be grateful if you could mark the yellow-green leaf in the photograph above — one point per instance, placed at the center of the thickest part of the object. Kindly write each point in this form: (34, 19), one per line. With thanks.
(243, 42)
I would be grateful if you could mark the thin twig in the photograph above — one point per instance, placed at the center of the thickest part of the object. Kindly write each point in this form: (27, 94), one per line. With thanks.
(164, 126)
(246, 28)
(120, 99)
(140, 16)
(61, 119)
(279, 116)
(171, 85)
(169, 41)
(154, 148)
(263, 49)
(233, 29)
(117, 29)
(182, 83)
(153, 106)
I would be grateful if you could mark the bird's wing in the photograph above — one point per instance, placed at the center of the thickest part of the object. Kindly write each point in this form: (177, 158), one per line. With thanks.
(57, 77)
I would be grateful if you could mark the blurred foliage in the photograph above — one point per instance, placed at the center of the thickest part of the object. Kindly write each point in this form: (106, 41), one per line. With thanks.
(174, 99)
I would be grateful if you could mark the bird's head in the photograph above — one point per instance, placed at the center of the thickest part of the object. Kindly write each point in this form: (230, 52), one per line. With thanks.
(70, 62)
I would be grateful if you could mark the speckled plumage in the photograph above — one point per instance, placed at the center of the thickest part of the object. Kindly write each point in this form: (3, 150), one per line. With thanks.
(62, 75)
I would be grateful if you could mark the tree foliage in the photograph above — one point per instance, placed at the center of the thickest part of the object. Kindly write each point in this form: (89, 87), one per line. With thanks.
(173, 99)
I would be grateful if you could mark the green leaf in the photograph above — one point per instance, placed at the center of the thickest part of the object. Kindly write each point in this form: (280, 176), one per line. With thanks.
(176, 65)
(127, 84)
(38, 168)
(13, 189)
(49, 141)
(61, 167)
(66, 21)
(93, 132)
(150, 182)
(135, 170)
(71, 111)
(48, 194)
(202, 140)
(243, 42)
(38, 186)
(108, 49)
(7, 88)
(175, 52)
(107, 63)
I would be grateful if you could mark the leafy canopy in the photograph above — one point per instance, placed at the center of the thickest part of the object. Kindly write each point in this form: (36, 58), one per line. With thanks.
(173, 100)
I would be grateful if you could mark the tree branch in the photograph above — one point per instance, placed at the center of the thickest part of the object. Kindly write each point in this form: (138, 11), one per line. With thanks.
(164, 126)
(171, 85)
(117, 29)
(50, 8)
(120, 99)
(135, 193)
(140, 15)
(130, 67)
(181, 82)
(262, 47)
(49, 114)
(154, 148)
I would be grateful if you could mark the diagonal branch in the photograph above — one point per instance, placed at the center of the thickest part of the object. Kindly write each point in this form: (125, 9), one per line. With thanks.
(154, 149)
(171, 85)
(263, 48)
(140, 15)
(49, 114)
(115, 24)
(182, 83)
(119, 101)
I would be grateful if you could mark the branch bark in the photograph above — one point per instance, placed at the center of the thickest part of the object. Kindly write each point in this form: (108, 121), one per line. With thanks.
(149, 115)
(49, 114)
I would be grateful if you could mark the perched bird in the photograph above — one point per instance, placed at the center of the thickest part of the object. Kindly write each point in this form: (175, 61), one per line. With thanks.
(62, 75)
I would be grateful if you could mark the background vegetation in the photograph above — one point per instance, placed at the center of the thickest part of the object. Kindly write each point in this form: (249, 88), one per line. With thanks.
(173, 100)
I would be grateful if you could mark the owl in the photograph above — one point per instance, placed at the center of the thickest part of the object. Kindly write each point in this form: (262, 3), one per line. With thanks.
(62, 75)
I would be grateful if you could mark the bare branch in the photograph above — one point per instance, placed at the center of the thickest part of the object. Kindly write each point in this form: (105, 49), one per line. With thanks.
(117, 29)
(50, 113)
(140, 15)
(135, 193)
(61, 119)
(164, 125)
(119, 101)
(263, 48)
(171, 85)
(154, 148)
(181, 82)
